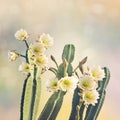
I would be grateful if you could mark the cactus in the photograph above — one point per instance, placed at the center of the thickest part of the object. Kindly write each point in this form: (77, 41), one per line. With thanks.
(87, 99)
(31, 96)
(54, 103)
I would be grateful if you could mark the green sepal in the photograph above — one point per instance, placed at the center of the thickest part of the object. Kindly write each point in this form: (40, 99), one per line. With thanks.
(54, 60)
(68, 53)
(54, 70)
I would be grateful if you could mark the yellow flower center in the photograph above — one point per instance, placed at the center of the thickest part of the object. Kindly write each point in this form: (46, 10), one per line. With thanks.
(39, 60)
(54, 84)
(45, 41)
(37, 50)
(67, 82)
(89, 96)
(22, 36)
(86, 84)
(94, 74)
(26, 67)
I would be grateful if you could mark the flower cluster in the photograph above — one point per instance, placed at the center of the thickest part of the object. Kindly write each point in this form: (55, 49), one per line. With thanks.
(65, 84)
(88, 84)
(35, 51)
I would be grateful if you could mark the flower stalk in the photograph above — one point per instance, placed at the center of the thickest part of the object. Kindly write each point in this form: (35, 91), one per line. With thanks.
(26, 44)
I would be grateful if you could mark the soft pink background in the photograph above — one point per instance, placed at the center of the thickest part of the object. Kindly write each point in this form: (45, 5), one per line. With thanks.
(93, 26)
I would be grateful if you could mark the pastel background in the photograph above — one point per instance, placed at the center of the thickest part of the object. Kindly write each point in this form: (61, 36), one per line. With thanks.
(93, 26)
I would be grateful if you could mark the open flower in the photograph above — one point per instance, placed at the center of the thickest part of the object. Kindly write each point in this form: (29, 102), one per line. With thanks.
(87, 83)
(52, 84)
(90, 97)
(68, 83)
(21, 34)
(46, 40)
(41, 61)
(25, 68)
(12, 55)
(37, 49)
(97, 73)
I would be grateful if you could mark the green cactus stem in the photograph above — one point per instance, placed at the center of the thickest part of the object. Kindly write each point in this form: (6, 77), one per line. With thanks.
(32, 96)
(67, 57)
(68, 53)
(38, 93)
(75, 103)
(33, 93)
(57, 106)
(52, 106)
(23, 96)
(69, 69)
(60, 72)
(27, 99)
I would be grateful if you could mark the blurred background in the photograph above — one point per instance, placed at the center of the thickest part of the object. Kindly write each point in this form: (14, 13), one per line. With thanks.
(93, 26)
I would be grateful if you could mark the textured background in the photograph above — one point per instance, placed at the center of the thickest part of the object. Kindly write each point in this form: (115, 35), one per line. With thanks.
(93, 26)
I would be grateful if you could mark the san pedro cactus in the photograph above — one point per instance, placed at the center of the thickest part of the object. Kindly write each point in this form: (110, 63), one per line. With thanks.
(88, 84)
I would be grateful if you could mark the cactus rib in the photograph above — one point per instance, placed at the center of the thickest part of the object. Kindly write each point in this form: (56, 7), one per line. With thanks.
(23, 96)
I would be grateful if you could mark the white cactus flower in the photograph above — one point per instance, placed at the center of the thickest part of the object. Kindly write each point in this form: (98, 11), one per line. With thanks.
(21, 34)
(90, 97)
(68, 83)
(46, 40)
(12, 55)
(37, 49)
(87, 83)
(25, 68)
(52, 84)
(41, 61)
(97, 73)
